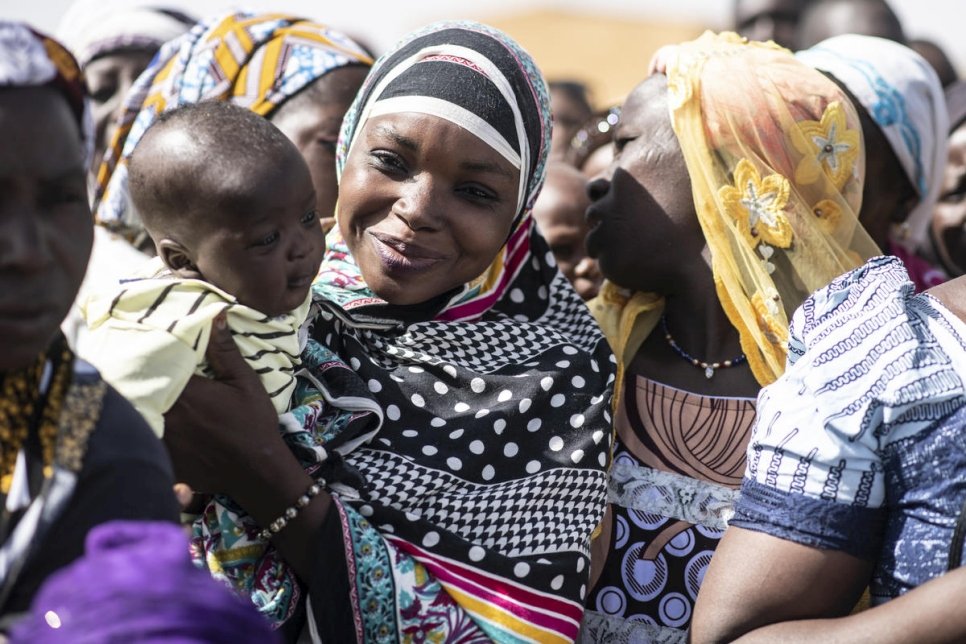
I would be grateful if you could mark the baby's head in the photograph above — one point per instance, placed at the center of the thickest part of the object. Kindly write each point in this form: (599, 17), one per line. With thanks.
(228, 199)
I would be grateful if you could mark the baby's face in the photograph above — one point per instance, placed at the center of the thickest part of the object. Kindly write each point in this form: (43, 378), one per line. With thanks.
(268, 254)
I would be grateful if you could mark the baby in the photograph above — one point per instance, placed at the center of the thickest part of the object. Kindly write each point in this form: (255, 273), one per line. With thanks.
(229, 203)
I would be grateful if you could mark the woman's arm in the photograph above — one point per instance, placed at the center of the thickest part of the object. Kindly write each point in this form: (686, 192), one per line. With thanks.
(929, 614)
(755, 580)
(223, 437)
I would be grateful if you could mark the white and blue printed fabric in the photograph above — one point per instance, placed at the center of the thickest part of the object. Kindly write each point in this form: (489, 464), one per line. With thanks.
(903, 95)
(859, 446)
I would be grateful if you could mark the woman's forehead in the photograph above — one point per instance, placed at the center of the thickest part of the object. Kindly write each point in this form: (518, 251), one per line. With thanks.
(646, 104)
(39, 132)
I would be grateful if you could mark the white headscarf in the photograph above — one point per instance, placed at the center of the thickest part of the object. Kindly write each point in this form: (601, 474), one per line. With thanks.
(902, 93)
(90, 30)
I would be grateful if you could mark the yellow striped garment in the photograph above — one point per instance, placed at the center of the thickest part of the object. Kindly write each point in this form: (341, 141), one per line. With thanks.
(149, 337)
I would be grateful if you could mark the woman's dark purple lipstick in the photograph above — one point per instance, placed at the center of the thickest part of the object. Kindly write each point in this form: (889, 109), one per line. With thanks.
(400, 256)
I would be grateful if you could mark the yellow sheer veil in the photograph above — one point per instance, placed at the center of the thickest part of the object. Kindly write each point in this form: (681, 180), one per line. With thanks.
(776, 160)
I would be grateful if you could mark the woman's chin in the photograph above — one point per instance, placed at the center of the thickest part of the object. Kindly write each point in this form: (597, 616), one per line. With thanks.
(396, 292)
(404, 288)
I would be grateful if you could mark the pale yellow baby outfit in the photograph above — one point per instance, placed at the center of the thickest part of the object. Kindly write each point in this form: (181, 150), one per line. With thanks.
(149, 336)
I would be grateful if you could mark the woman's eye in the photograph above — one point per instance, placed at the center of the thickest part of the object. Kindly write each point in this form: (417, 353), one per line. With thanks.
(388, 161)
(328, 144)
(310, 217)
(480, 195)
(103, 94)
(53, 196)
(956, 196)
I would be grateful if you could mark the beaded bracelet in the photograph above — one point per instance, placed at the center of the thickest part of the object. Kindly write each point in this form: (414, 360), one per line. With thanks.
(291, 511)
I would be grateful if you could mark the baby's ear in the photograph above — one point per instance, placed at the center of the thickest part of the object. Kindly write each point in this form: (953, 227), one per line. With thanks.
(178, 259)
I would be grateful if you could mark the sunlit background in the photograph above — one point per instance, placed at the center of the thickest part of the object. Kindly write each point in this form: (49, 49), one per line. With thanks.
(605, 43)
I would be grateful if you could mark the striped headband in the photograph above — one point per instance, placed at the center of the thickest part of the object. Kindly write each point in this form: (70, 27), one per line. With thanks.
(467, 89)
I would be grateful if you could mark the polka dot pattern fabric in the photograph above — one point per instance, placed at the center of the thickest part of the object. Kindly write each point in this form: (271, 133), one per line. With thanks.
(491, 463)
(497, 432)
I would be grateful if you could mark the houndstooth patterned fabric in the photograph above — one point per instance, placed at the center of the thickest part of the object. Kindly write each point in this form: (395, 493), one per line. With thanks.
(518, 518)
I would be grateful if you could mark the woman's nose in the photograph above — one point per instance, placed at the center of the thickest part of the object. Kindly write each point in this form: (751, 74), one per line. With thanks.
(597, 188)
(22, 242)
(419, 204)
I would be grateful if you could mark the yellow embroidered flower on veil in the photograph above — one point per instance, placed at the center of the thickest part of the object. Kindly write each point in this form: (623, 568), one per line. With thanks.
(758, 205)
(828, 144)
(771, 319)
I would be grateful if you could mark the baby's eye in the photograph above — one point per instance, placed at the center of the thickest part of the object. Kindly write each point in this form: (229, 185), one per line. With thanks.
(267, 240)
(309, 217)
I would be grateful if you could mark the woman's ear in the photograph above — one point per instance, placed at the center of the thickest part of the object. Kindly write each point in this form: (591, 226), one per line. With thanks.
(178, 259)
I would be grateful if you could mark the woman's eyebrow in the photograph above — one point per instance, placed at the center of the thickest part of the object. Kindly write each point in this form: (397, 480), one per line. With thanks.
(486, 166)
(391, 133)
(472, 166)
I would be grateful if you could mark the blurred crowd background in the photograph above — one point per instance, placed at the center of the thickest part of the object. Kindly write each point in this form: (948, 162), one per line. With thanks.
(604, 44)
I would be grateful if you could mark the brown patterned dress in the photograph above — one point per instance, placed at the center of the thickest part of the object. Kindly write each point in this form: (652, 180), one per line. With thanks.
(678, 464)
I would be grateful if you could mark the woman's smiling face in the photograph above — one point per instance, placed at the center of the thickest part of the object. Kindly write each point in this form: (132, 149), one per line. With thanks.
(424, 205)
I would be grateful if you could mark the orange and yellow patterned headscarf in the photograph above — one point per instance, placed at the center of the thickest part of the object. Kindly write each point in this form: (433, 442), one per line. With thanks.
(775, 155)
(257, 61)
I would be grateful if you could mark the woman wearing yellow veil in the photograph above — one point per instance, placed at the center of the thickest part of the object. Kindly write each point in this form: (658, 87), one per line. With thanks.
(734, 194)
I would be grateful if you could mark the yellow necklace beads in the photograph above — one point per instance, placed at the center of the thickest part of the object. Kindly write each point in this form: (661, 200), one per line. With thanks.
(22, 405)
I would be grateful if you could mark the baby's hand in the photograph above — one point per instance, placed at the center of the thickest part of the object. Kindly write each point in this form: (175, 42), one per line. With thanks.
(190, 502)
(184, 494)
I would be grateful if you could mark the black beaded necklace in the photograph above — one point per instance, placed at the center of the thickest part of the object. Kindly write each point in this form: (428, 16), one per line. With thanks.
(709, 367)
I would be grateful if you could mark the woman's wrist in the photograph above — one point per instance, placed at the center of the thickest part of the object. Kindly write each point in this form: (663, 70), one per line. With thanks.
(269, 483)
(292, 511)
(275, 481)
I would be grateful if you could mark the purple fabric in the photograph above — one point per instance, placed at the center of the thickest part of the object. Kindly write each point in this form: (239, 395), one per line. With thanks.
(136, 582)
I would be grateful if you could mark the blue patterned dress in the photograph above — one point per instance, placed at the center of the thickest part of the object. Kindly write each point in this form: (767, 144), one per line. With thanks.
(859, 447)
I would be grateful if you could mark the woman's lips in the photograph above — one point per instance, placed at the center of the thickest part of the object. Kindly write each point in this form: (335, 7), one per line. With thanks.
(25, 321)
(594, 221)
(402, 256)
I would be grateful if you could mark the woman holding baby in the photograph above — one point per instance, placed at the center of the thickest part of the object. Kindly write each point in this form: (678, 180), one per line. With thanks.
(469, 513)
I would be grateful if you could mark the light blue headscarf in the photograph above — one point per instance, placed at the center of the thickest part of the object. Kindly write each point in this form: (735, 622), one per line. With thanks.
(902, 93)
